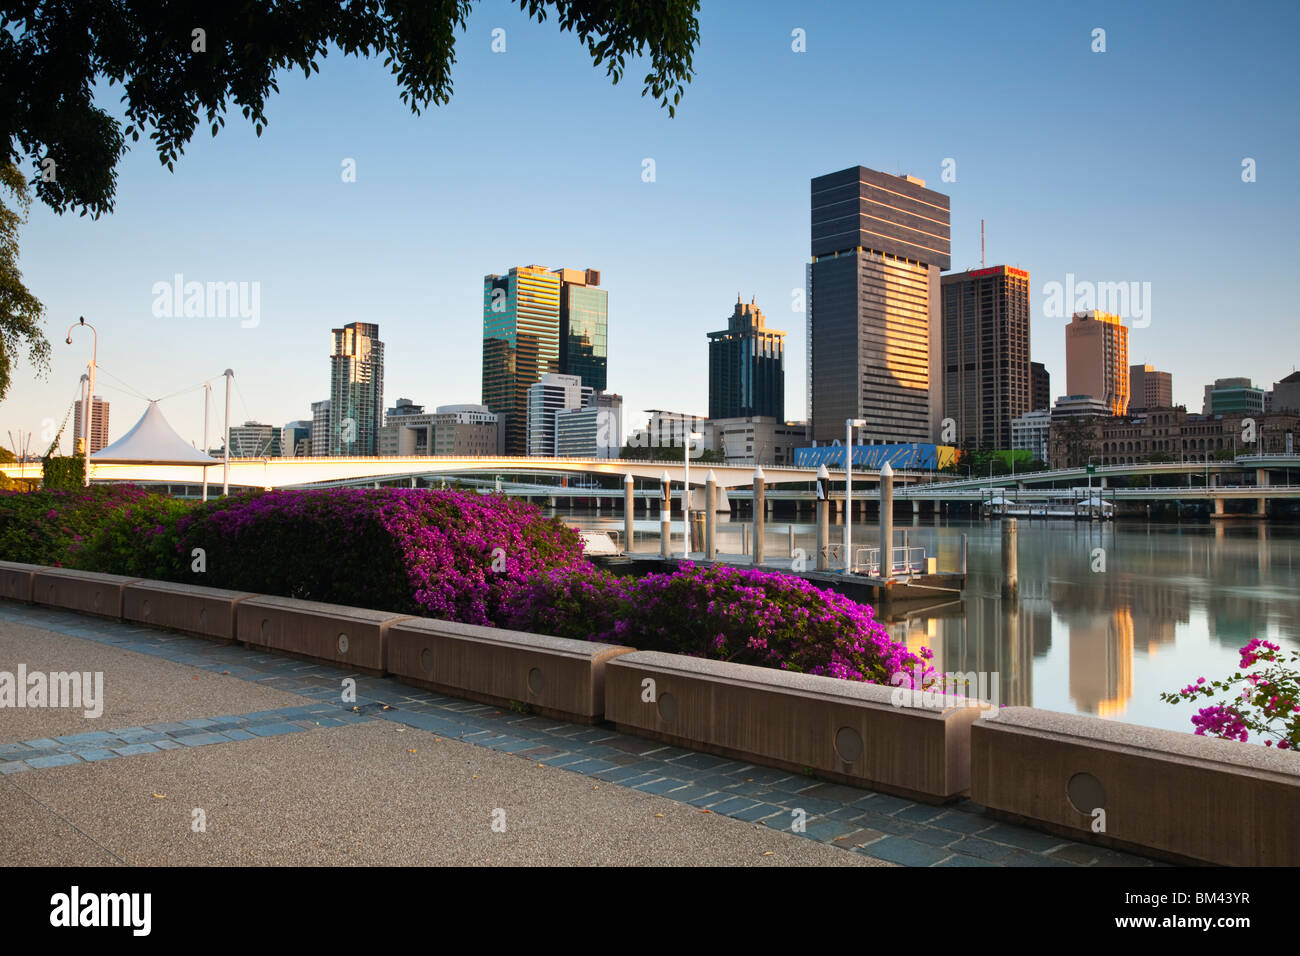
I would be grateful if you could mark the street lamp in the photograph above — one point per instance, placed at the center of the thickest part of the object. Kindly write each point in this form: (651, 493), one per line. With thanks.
(90, 390)
(686, 493)
(849, 425)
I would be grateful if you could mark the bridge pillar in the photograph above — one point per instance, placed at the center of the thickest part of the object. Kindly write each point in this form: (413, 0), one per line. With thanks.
(1261, 481)
(1218, 504)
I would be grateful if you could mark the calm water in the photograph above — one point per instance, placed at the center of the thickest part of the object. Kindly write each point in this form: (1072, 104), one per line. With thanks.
(1173, 603)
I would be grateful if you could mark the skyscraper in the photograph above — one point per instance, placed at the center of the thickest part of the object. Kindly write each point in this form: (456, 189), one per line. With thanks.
(521, 343)
(356, 390)
(98, 423)
(536, 322)
(986, 368)
(1040, 387)
(1148, 388)
(878, 245)
(1096, 358)
(584, 327)
(747, 367)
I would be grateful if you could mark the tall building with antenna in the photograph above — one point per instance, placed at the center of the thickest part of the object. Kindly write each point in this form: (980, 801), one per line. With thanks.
(987, 380)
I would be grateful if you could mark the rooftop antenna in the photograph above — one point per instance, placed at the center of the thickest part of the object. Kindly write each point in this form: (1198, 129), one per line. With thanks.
(981, 243)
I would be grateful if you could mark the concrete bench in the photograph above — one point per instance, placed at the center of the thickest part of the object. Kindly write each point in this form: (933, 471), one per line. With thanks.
(88, 592)
(188, 608)
(1183, 796)
(16, 580)
(555, 676)
(325, 632)
(844, 730)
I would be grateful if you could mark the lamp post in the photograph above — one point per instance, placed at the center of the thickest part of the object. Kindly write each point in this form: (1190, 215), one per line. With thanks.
(207, 403)
(225, 453)
(90, 390)
(849, 425)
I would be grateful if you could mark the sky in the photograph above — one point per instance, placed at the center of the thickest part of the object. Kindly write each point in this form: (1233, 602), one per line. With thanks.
(1117, 166)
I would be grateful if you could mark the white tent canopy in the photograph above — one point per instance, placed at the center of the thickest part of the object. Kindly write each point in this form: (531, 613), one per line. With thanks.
(151, 442)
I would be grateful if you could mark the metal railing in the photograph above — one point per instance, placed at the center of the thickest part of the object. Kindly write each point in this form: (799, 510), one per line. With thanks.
(903, 560)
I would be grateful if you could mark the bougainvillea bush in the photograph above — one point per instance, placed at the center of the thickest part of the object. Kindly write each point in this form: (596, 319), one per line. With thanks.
(460, 556)
(745, 616)
(446, 554)
(45, 527)
(1263, 697)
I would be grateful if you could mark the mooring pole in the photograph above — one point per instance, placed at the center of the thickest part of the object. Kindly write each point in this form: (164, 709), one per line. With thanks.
(628, 505)
(887, 522)
(1010, 566)
(760, 513)
(823, 519)
(665, 515)
(711, 516)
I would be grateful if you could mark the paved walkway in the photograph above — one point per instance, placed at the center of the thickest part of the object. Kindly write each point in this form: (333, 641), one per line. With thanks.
(405, 775)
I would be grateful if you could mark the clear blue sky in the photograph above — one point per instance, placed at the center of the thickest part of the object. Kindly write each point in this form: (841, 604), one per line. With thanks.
(1115, 166)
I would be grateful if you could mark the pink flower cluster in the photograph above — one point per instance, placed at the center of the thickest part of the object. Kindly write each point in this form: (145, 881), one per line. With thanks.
(742, 615)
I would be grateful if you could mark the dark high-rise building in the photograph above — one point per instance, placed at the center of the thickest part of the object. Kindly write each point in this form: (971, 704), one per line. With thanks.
(878, 245)
(356, 409)
(584, 327)
(1040, 387)
(747, 367)
(986, 354)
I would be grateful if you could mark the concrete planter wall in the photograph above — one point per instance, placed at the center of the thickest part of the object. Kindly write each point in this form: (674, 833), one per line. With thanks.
(188, 608)
(844, 730)
(16, 580)
(1183, 796)
(1164, 793)
(327, 632)
(553, 675)
(86, 591)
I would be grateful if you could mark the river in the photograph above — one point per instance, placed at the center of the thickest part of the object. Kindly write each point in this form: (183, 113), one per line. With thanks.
(1109, 615)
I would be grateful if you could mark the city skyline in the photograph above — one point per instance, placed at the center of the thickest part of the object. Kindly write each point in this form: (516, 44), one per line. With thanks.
(1049, 211)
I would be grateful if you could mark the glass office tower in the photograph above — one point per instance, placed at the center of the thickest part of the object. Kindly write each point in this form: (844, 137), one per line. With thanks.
(584, 327)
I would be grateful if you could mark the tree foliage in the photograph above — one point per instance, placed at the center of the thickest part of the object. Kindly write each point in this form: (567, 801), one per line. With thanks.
(20, 311)
(53, 52)
(63, 473)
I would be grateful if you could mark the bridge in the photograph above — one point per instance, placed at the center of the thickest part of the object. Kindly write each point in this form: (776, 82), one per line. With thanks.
(511, 473)
(1071, 476)
(267, 473)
